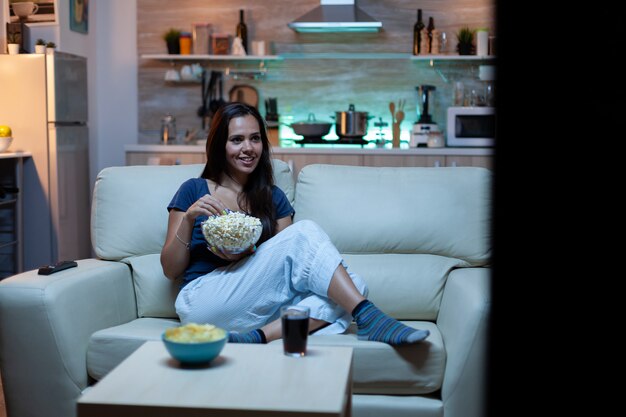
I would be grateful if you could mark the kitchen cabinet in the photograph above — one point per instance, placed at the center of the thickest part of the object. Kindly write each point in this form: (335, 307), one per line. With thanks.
(11, 231)
(298, 161)
(164, 158)
(404, 160)
(469, 161)
(298, 158)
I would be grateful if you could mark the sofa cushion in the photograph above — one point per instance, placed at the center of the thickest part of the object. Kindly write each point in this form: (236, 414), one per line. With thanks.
(377, 368)
(155, 294)
(109, 347)
(407, 286)
(373, 210)
(141, 230)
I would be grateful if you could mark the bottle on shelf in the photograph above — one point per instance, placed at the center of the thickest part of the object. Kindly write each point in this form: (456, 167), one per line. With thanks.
(430, 29)
(424, 39)
(242, 31)
(417, 34)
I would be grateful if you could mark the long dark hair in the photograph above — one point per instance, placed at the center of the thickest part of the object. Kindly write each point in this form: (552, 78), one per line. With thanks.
(256, 195)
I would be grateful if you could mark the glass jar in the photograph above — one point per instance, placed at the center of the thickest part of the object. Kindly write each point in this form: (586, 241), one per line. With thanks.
(185, 43)
(168, 129)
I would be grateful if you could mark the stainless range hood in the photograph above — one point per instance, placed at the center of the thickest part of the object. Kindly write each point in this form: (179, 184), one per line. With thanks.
(336, 16)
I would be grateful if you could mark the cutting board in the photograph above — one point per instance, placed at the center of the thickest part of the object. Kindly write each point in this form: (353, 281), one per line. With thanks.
(245, 94)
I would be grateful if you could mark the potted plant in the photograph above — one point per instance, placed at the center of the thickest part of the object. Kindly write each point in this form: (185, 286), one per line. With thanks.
(13, 43)
(40, 46)
(171, 38)
(465, 38)
(50, 47)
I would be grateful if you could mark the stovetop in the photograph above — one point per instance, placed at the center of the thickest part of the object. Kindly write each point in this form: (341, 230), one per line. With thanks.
(317, 140)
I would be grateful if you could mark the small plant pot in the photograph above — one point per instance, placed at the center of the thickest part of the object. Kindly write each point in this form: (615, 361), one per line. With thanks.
(13, 48)
(465, 49)
(173, 46)
(40, 49)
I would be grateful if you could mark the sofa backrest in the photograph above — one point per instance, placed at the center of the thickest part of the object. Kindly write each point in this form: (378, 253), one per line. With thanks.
(129, 215)
(401, 229)
(129, 223)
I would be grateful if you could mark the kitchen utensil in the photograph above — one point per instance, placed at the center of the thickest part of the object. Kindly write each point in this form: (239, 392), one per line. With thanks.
(271, 109)
(202, 110)
(311, 127)
(395, 143)
(244, 93)
(425, 123)
(399, 117)
(220, 89)
(213, 101)
(351, 123)
(168, 129)
(392, 109)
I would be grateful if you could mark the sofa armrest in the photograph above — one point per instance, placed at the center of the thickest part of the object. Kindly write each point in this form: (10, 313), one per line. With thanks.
(463, 322)
(45, 325)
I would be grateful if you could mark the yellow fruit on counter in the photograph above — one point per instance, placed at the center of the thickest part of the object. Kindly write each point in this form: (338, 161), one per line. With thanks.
(5, 131)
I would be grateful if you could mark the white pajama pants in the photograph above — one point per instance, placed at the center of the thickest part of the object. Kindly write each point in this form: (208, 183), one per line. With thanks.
(293, 267)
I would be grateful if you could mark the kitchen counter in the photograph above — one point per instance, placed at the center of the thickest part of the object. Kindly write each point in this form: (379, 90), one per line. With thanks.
(298, 157)
(323, 149)
(16, 154)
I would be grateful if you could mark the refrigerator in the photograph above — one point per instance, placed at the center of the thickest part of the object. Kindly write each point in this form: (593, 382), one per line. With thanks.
(44, 101)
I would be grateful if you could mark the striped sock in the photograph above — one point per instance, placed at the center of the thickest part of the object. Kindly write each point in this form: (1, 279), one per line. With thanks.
(375, 325)
(255, 336)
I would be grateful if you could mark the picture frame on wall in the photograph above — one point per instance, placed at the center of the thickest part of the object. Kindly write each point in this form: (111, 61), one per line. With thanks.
(79, 16)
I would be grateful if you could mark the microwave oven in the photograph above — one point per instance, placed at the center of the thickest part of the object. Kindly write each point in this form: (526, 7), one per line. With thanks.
(471, 126)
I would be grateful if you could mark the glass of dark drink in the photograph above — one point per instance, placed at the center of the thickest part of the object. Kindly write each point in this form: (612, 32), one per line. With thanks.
(295, 322)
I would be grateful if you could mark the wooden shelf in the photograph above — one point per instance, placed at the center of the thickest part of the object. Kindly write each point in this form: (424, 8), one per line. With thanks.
(452, 57)
(345, 55)
(321, 55)
(253, 58)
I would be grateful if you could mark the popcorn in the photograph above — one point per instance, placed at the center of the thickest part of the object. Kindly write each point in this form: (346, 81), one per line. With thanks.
(234, 232)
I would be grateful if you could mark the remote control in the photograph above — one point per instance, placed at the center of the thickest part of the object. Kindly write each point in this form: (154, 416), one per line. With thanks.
(60, 266)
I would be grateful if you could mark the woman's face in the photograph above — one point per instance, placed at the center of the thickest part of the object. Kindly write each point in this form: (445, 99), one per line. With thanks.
(244, 146)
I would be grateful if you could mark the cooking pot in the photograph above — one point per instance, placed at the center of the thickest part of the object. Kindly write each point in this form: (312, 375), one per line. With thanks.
(311, 127)
(351, 124)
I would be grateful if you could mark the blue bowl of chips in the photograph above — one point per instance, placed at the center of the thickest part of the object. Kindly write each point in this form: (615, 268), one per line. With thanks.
(195, 343)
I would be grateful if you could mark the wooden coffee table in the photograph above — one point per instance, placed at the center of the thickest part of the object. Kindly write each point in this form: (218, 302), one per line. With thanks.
(245, 380)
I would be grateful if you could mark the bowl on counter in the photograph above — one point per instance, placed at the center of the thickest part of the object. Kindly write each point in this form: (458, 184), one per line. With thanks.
(5, 142)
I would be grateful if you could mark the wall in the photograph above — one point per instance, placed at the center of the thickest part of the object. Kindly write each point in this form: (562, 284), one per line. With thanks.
(302, 86)
(111, 49)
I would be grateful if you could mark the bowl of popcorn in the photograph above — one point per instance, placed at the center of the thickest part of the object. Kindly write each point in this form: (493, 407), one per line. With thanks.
(233, 232)
(195, 343)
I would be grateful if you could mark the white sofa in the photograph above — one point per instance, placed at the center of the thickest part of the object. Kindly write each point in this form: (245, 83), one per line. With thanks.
(420, 237)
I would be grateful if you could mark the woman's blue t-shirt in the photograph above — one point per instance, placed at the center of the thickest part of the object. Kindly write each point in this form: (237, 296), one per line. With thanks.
(202, 261)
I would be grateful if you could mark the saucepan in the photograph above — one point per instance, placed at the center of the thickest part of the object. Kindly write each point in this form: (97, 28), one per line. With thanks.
(351, 123)
(311, 127)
